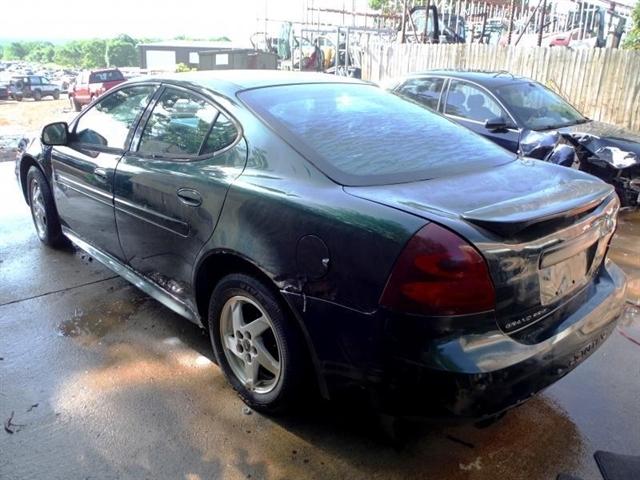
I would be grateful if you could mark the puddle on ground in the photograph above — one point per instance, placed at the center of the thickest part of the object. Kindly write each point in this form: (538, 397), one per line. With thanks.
(629, 325)
(625, 251)
(94, 323)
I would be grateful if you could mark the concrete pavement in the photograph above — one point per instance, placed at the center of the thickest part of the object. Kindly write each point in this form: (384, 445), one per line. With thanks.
(105, 382)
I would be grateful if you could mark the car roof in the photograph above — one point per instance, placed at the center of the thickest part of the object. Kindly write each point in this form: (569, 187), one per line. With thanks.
(487, 79)
(230, 82)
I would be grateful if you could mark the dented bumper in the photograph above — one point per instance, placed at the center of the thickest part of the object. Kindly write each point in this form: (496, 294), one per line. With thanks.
(478, 376)
(418, 368)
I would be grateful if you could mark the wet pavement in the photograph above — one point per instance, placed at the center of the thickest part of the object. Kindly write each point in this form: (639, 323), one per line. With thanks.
(106, 383)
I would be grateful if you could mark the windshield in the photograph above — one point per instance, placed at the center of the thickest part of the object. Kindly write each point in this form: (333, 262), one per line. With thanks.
(536, 107)
(449, 24)
(359, 134)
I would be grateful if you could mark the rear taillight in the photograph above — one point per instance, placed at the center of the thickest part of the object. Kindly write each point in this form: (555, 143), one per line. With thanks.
(439, 273)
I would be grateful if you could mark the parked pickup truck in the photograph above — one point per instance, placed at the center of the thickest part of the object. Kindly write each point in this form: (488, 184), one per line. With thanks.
(32, 86)
(91, 84)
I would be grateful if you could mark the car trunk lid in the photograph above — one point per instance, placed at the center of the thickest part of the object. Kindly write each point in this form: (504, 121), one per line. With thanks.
(543, 230)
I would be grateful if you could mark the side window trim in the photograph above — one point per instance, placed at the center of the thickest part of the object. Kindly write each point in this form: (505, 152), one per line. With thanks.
(137, 136)
(513, 125)
(144, 118)
(445, 88)
(445, 98)
(206, 137)
(102, 149)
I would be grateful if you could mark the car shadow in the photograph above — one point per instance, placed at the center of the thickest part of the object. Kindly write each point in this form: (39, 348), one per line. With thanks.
(340, 436)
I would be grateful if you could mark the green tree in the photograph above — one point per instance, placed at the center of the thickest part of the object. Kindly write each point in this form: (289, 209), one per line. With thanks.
(69, 54)
(121, 52)
(387, 6)
(93, 53)
(15, 51)
(633, 37)
(183, 67)
(43, 52)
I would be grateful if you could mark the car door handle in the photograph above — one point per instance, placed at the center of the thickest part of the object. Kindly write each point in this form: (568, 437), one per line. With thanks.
(190, 197)
(100, 173)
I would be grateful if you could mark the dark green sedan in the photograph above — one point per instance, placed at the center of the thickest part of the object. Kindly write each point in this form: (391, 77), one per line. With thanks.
(328, 233)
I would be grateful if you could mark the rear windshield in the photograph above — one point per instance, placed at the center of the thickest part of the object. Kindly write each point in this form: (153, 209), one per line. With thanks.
(359, 134)
(107, 76)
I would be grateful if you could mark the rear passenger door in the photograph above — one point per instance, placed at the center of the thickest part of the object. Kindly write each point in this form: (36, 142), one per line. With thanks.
(424, 90)
(170, 188)
(472, 106)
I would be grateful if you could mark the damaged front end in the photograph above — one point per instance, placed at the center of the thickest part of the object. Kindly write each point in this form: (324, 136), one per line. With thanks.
(607, 152)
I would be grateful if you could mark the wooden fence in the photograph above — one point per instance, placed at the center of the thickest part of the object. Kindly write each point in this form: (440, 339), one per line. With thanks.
(604, 84)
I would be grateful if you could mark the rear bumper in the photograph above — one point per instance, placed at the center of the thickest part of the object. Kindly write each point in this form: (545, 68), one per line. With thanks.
(495, 372)
(471, 375)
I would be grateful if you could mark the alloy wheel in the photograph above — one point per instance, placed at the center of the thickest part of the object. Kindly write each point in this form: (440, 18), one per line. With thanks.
(250, 344)
(37, 209)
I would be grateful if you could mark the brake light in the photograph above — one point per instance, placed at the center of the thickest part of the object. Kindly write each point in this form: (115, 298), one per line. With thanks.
(439, 273)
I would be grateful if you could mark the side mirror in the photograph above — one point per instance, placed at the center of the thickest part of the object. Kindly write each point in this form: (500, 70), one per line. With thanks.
(494, 124)
(55, 134)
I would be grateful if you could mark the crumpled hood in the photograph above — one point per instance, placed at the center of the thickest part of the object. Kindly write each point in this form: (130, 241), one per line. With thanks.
(614, 145)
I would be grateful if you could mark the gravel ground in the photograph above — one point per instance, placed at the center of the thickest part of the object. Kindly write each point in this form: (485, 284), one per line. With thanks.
(25, 119)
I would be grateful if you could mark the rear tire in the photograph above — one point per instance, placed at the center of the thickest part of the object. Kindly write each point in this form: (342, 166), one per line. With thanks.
(43, 210)
(74, 104)
(18, 98)
(257, 345)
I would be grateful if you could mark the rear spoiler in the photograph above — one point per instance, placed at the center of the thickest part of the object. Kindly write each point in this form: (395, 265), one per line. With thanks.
(564, 200)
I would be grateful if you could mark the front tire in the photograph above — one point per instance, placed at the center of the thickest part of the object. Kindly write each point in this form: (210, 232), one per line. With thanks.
(37, 95)
(43, 210)
(56, 95)
(257, 345)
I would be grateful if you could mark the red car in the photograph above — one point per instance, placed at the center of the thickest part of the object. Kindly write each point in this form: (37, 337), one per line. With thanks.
(91, 84)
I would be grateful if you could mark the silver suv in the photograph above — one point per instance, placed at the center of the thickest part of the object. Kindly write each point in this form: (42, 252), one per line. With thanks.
(32, 86)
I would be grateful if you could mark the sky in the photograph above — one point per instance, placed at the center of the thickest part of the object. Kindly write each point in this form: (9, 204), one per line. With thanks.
(163, 19)
(236, 19)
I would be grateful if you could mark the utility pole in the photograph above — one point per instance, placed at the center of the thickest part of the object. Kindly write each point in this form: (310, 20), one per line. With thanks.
(427, 14)
(542, 12)
(524, 28)
(512, 8)
(404, 21)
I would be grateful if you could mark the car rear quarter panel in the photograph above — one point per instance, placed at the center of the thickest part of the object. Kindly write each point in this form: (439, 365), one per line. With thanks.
(280, 198)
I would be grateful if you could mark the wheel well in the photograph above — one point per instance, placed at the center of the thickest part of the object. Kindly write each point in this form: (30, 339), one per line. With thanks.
(26, 163)
(220, 264)
(216, 266)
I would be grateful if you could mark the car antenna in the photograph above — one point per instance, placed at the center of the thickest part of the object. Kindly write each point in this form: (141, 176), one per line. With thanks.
(504, 72)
